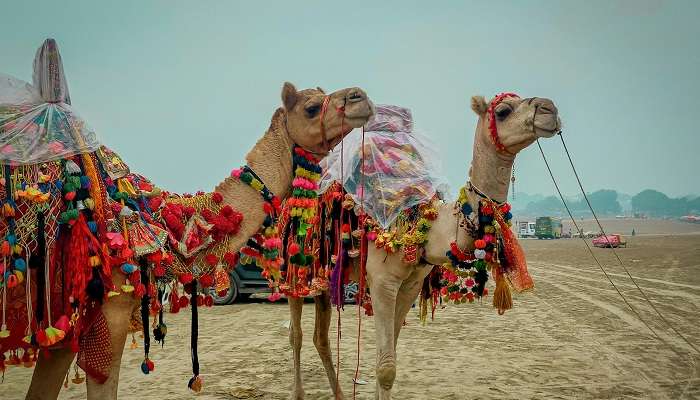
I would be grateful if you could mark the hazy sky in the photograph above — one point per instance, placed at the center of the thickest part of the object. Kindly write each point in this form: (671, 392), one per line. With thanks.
(183, 89)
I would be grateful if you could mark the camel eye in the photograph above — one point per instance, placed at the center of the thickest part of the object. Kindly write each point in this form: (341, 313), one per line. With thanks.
(312, 111)
(503, 112)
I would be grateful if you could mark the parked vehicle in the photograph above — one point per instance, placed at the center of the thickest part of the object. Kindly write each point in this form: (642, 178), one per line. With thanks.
(245, 280)
(613, 240)
(548, 228)
(526, 229)
(691, 218)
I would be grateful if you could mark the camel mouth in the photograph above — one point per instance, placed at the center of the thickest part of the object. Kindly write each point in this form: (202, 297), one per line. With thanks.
(549, 127)
(357, 121)
(336, 140)
(360, 112)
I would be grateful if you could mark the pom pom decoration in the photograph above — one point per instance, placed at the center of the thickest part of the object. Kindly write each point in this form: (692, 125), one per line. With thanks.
(195, 384)
(186, 278)
(212, 260)
(206, 280)
(231, 259)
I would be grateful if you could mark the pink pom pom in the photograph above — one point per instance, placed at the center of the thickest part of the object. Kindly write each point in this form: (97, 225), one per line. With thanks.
(236, 172)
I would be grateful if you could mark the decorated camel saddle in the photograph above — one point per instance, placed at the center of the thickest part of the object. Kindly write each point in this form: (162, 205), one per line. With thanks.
(72, 213)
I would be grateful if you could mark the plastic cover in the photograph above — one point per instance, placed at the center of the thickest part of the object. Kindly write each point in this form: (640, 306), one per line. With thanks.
(37, 123)
(401, 167)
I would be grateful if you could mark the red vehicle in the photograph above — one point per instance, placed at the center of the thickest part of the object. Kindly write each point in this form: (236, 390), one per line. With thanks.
(613, 240)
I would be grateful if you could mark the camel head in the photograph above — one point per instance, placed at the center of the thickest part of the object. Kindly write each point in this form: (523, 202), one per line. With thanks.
(317, 121)
(512, 123)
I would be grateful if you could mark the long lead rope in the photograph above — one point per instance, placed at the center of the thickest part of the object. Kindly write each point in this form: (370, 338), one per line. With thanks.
(619, 260)
(634, 311)
(578, 229)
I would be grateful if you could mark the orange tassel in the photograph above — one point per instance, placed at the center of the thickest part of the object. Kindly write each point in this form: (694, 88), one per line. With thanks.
(502, 298)
(91, 173)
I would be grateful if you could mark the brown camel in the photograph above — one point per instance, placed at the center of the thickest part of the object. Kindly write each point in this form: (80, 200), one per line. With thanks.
(394, 285)
(300, 122)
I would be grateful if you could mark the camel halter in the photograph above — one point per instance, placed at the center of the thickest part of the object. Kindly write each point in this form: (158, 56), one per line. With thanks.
(493, 129)
(324, 107)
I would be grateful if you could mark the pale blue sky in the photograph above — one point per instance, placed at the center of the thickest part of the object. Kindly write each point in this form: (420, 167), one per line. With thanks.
(183, 89)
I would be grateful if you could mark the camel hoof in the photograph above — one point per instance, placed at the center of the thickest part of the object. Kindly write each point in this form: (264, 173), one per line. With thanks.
(297, 395)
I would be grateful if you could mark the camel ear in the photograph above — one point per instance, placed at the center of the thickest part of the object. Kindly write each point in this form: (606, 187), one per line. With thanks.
(320, 89)
(479, 105)
(289, 95)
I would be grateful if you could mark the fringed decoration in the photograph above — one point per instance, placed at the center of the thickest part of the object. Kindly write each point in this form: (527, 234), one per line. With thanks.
(336, 284)
(516, 270)
(94, 187)
(38, 263)
(502, 299)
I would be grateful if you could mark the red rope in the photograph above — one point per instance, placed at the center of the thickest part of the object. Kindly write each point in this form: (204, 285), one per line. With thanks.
(338, 253)
(363, 261)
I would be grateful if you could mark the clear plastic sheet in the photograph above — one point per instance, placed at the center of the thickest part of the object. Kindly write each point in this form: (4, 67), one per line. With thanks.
(37, 123)
(401, 167)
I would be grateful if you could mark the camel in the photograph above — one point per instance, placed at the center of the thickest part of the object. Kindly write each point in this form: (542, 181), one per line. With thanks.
(301, 122)
(394, 285)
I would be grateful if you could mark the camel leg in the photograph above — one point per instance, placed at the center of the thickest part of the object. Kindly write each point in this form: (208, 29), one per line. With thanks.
(323, 323)
(409, 291)
(117, 312)
(384, 287)
(295, 340)
(49, 374)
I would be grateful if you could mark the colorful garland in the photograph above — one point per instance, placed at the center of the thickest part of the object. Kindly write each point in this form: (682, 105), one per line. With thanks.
(408, 233)
(264, 248)
(464, 278)
(300, 277)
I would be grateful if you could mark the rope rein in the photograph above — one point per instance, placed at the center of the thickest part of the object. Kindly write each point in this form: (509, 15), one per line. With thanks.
(363, 259)
(619, 260)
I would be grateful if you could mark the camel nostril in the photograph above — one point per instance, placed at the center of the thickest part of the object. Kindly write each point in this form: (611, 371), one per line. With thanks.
(355, 96)
(546, 110)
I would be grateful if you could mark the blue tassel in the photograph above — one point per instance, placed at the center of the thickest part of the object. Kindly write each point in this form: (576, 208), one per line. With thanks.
(144, 368)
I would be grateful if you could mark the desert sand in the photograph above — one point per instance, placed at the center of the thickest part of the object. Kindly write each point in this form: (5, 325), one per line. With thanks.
(571, 338)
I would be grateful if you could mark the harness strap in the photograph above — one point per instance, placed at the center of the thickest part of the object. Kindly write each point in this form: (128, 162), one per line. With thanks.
(481, 194)
(493, 129)
(324, 109)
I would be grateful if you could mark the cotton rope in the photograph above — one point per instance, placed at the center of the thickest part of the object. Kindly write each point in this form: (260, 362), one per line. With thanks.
(634, 311)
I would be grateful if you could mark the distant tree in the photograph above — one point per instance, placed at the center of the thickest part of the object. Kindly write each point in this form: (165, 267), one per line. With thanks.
(657, 204)
(694, 205)
(605, 202)
(547, 206)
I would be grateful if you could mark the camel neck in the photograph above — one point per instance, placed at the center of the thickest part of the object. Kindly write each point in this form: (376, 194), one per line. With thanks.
(271, 160)
(271, 157)
(491, 170)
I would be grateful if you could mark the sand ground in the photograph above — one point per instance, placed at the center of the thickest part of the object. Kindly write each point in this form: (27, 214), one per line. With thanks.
(571, 338)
